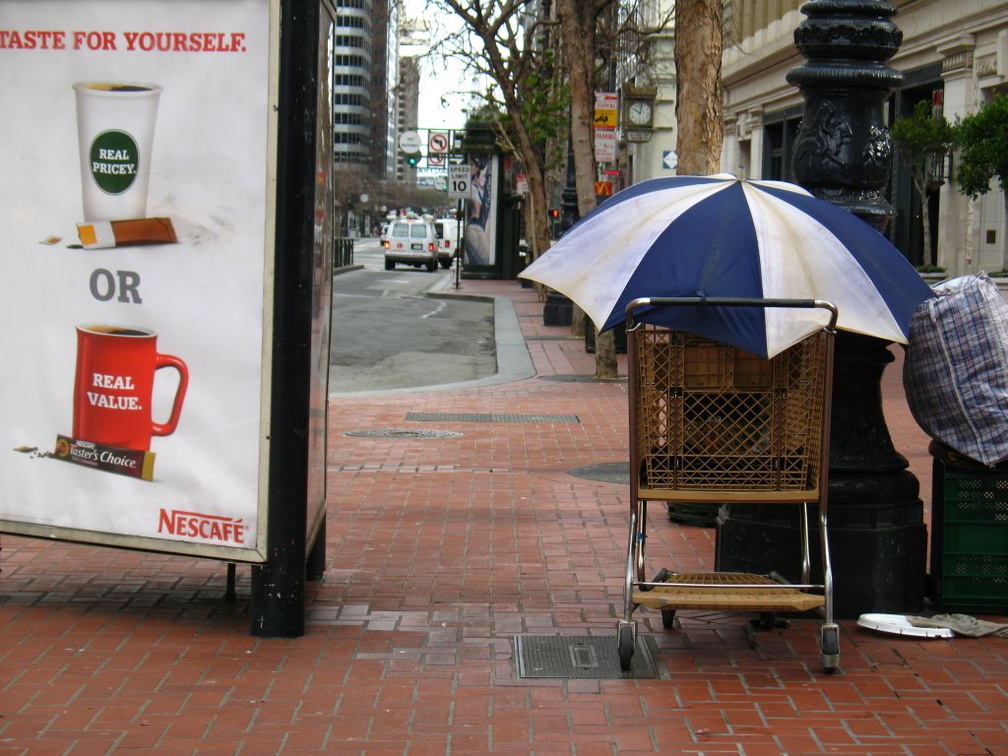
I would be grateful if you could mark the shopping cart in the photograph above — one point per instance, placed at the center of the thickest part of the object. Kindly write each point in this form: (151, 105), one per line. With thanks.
(711, 423)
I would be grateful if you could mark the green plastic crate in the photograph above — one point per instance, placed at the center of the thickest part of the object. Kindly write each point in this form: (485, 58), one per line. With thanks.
(973, 562)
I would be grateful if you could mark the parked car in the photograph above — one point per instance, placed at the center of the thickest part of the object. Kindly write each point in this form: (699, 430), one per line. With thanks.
(447, 231)
(411, 242)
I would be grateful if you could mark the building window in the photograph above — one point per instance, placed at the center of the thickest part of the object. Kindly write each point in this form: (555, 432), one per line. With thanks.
(780, 130)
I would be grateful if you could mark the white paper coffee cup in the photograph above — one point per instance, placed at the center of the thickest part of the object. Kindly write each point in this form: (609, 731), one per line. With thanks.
(115, 130)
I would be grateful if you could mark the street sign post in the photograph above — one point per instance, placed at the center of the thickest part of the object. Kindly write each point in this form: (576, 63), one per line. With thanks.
(458, 188)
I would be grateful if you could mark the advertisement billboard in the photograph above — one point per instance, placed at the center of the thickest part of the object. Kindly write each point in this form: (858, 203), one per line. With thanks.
(482, 209)
(138, 151)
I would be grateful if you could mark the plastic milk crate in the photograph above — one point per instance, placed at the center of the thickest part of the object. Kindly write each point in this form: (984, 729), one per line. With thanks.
(969, 539)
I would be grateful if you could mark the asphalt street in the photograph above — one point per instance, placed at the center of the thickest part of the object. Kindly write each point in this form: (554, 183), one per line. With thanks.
(411, 329)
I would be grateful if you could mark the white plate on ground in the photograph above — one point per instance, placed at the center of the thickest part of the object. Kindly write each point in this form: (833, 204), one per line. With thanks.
(897, 624)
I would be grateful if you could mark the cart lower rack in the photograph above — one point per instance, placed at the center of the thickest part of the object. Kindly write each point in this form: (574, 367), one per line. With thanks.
(712, 423)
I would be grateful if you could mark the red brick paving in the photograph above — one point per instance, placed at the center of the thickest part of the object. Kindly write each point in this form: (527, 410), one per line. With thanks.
(439, 551)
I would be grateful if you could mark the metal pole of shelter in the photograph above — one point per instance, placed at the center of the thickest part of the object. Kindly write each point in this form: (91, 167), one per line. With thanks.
(278, 585)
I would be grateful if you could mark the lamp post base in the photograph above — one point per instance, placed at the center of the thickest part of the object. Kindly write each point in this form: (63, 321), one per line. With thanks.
(878, 538)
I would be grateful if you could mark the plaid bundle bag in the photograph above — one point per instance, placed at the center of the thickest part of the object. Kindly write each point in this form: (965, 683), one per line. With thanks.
(956, 368)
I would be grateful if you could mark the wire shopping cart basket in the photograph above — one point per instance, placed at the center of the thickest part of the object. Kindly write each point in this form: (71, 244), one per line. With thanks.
(711, 423)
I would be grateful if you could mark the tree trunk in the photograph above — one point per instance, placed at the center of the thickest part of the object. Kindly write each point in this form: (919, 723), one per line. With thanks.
(578, 25)
(606, 367)
(699, 99)
(537, 211)
(485, 20)
(920, 186)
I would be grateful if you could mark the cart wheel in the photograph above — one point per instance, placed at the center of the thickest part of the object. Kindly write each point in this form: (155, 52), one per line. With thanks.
(830, 645)
(668, 618)
(625, 633)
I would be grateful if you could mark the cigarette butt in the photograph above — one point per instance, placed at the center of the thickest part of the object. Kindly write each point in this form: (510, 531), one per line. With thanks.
(105, 234)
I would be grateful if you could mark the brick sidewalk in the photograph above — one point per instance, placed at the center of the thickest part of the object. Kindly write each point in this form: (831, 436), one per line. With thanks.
(439, 552)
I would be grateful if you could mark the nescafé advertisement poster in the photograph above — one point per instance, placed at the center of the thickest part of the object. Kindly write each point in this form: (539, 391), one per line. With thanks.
(134, 142)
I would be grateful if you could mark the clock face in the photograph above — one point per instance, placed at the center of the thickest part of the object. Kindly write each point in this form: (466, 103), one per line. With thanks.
(639, 113)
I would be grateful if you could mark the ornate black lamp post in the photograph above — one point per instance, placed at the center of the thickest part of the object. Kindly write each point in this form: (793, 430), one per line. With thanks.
(842, 153)
(559, 310)
(569, 212)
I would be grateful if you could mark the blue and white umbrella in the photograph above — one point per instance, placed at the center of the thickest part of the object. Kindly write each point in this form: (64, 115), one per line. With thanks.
(721, 236)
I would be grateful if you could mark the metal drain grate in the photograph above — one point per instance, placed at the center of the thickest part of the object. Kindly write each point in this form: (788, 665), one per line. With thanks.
(402, 433)
(488, 417)
(582, 656)
(580, 378)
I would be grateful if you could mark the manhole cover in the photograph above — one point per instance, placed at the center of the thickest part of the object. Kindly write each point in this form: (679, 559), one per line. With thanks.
(607, 472)
(583, 656)
(402, 433)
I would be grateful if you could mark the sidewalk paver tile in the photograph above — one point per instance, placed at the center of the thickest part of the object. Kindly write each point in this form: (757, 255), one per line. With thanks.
(440, 550)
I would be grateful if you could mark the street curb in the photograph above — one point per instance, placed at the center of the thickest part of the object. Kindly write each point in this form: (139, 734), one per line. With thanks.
(346, 269)
(514, 363)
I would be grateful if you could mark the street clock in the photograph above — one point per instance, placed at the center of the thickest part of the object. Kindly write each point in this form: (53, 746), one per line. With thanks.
(640, 113)
(638, 108)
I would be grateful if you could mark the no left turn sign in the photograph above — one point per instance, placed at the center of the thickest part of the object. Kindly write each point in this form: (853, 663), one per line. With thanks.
(437, 142)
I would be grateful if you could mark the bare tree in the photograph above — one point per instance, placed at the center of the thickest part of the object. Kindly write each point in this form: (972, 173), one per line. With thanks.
(699, 98)
(516, 54)
(579, 24)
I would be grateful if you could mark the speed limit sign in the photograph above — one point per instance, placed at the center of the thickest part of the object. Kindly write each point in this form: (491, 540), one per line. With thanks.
(458, 181)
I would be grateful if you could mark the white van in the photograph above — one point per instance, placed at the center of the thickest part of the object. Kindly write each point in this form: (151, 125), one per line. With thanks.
(447, 232)
(411, 242)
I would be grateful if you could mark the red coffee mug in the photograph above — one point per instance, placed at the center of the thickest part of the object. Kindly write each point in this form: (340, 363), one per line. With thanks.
(114, 385)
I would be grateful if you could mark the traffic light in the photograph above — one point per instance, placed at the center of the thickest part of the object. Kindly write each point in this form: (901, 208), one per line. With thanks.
(554, 213)
(413, 159)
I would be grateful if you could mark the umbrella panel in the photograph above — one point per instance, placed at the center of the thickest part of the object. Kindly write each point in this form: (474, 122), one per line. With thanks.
(733, 239)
